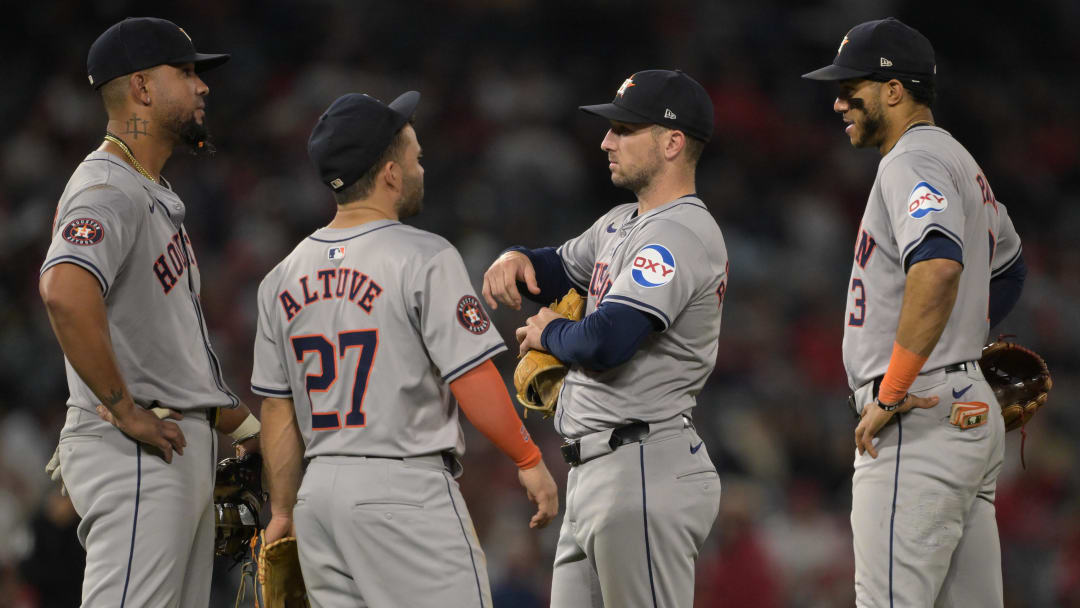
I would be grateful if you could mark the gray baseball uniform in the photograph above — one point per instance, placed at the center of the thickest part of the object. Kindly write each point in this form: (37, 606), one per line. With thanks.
(636, 518)
(364, 328)
(923, 511)
(147, 526)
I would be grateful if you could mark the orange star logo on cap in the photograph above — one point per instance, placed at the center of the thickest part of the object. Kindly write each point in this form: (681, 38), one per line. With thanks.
(842, 43)
(629, 82)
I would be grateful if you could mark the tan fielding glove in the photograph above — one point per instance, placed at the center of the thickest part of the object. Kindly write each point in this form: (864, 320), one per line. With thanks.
(280, 576)
(539, 376)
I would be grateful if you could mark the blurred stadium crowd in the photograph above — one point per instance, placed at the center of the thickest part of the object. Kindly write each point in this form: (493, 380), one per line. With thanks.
(510, 160)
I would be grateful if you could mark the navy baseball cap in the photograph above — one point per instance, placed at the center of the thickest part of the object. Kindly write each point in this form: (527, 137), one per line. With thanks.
(137, 43)
(881, 50)
(353, 133)
(667, 98)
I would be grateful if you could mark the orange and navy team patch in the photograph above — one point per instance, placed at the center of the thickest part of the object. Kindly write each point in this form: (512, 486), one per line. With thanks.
(84, 231)
(471, 315)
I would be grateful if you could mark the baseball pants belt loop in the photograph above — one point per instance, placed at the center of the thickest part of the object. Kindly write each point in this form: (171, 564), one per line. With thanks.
(859, 398)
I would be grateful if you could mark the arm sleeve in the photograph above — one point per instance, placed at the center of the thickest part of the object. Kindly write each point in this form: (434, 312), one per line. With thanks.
(921, 200)
(550, 274)
(96, 230)
(602, 340)
(268, 372)
(483, 398)
(935, 246)
(1005, 289)
(453, 323)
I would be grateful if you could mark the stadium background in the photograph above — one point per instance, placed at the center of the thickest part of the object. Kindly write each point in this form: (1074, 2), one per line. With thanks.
(509, 159)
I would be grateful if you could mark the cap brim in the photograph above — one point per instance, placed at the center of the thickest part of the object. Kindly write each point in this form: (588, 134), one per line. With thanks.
(836, 72)
(405, 105)
(204, 61)
(611, 111)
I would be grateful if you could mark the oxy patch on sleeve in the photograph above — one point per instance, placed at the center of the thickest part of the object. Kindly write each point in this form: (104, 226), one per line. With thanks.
(653, 266)
(925, 199)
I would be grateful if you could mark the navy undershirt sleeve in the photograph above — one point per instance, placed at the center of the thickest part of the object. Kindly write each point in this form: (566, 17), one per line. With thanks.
(602, 340)
(1005, 290)
(935, 245)
(551, 277)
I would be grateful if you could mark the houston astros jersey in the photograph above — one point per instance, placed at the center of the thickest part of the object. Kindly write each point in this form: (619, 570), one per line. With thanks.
(672, 264)
(927, 183)
(364, 328)
(127, 231)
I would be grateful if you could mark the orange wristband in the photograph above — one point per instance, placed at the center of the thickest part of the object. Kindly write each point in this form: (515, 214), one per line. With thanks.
(904, 367)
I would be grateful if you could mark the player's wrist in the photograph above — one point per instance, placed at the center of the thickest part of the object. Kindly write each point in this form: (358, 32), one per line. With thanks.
(887, 406)
(246, 430)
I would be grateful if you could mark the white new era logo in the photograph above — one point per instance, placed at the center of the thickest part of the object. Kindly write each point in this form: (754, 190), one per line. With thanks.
(885, 63)
(337, 183)
(669, 114)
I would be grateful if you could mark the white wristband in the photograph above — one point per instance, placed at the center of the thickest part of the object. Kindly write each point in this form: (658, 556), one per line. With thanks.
(249, 428)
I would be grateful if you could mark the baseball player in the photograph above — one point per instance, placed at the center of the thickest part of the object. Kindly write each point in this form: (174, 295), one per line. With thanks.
(365, 331)
(642, 492)
(937, 263)
(121, 287)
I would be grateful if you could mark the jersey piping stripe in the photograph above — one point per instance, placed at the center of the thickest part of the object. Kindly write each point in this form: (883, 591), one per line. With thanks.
(135, 520)
(353, 236)
(276, 392)
(82, 262)
(465, 534)
(926, 231)
(477, 359)
(896, 489)
(636, 304)
(215, 365)
(645, 517)
(1008, 264)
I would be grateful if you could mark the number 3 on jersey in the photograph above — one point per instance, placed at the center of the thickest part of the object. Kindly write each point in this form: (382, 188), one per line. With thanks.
(367, 342)
(858, 308)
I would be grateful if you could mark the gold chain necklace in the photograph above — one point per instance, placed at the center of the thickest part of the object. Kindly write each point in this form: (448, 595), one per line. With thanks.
(131, 157)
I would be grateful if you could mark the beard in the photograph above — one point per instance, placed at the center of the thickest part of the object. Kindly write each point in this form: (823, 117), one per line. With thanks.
(412, 199)
(871, 128)
(638, 179)
(194, 137)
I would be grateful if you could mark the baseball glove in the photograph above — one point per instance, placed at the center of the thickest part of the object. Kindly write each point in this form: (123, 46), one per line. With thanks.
(280, 576)
(238, 500)
(539, 376)
(1020, 380)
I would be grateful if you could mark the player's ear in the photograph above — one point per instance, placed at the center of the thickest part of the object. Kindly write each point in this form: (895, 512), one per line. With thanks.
(673, 142)
(139, 87)
(893, 92)
(392, 176)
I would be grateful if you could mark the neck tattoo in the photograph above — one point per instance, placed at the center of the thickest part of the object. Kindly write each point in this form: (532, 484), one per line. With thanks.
(130, 156)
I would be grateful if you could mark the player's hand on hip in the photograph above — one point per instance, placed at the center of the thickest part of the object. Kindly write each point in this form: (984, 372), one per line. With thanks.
(873, 418)
(528, 335)
(502, 277)
(542, 491)
(280, 526)
(142, 425)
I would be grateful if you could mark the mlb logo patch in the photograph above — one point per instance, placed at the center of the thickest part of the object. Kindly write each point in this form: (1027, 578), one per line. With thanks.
(925, 199)
(335, 253)
(653, 266)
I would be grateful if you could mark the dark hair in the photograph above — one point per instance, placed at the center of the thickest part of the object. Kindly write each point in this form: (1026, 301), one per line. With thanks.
(363, 187)
(693, 146)
(923, 92)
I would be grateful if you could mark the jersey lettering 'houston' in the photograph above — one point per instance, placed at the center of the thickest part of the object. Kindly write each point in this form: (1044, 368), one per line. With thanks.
(364, 328)
(128, 233)
(672, 264)
(927, 183)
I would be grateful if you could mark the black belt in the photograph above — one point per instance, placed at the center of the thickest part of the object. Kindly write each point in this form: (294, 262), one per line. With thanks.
(955, 367)
(630, 433)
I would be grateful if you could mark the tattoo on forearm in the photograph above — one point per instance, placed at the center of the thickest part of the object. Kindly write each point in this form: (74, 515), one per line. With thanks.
(114, 398)
(135, 126)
